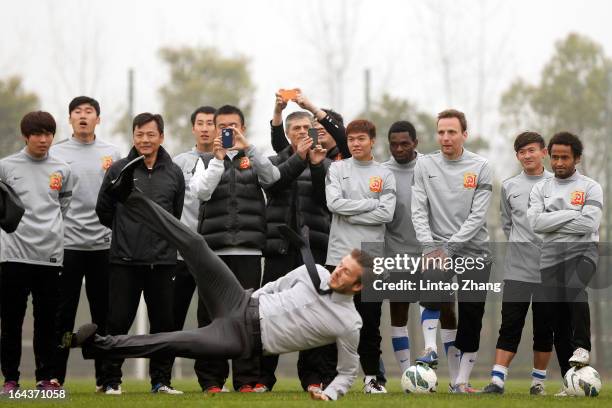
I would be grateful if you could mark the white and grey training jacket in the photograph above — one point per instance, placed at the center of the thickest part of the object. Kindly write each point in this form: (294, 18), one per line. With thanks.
(566, 213)
(45, 188)
(450, 200)
(522, 261)
(88, 162)
(361, 197)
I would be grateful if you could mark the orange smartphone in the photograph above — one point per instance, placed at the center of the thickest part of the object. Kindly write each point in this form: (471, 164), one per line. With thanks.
(288, 94)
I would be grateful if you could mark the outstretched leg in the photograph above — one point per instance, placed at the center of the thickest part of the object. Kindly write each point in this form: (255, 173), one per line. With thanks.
(223, 338)
(218, 287)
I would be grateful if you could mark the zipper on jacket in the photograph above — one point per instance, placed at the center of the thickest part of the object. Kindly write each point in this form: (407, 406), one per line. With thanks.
(233, 200)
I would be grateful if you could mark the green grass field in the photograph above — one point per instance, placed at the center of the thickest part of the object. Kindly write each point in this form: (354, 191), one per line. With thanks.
(136, 394)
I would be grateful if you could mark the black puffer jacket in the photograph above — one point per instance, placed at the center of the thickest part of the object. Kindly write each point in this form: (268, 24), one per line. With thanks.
(132, 242)
(298, 199)
(235, 214)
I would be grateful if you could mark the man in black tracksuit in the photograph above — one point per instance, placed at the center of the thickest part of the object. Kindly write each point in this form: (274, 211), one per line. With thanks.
(233, 222)
(142, 262)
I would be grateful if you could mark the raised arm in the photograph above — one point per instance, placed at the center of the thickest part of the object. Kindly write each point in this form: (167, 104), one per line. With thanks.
(206, 179)
(279, 141)
(335, 129)
(267, 173)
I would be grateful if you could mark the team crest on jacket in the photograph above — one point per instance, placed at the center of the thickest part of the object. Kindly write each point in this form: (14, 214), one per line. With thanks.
(577, 197)
(469, 180)
(107, 161)
(245, 163)
(55, 181)
(376, 184)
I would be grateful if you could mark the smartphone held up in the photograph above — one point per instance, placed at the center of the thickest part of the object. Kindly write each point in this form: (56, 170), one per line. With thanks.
(227, 138)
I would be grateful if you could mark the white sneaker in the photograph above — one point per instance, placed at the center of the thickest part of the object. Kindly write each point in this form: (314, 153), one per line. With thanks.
(112, 390)
(580, 358)
(373, 387)
(562, 393)
(166, 389)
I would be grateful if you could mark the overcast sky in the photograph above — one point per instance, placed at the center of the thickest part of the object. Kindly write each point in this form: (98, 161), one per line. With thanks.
(63, 48)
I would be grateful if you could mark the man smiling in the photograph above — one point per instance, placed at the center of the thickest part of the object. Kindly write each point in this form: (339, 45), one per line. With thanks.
(141, 261)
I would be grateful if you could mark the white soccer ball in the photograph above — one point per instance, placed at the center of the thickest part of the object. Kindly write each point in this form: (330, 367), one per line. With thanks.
(582, 382)
(419, 379)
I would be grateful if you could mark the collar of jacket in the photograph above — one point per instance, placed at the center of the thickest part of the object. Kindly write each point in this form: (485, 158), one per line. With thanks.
(239, 155)
(162, 156)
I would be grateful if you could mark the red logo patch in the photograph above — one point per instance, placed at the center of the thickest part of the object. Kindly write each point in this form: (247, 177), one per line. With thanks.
(107, 161)
(469, 180)
(245, 163)
(55, 181)
(376, 184)
(577, 198)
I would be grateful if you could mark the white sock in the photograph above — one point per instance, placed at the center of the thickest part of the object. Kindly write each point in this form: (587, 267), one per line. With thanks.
(538, 376)
(401, 346)
(429, 324)
(499, 374)
(453, 355)
(465, 368)
(369, 378)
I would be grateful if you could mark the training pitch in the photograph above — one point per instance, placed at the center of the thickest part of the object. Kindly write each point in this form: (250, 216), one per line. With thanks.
(285, 394)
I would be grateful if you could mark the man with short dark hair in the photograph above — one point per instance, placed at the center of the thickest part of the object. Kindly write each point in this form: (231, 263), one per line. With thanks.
(141, 261)
(232, 220)
(400, 237)
(86, 241)
(566, 212)
(203, 130)
(522, 282)
(360, 194)
(450, 199)
(32, 255)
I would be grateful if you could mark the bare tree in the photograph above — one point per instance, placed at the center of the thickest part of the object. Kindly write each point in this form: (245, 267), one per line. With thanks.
(332, 34)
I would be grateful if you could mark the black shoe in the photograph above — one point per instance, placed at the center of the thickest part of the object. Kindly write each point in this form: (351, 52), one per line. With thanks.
(84, 334)
(493, 389)
(121, 187)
